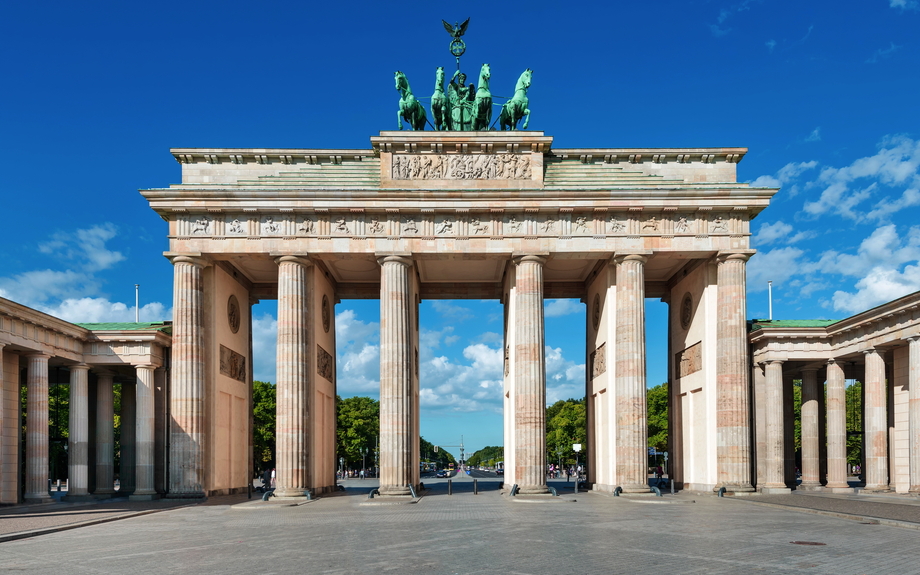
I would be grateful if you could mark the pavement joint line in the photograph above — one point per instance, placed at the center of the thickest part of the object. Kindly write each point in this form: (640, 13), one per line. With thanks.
(88, 523)
(837, 514)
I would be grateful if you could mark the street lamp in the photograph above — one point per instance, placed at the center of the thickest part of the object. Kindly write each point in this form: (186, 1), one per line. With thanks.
(342, 466)
(363, 462)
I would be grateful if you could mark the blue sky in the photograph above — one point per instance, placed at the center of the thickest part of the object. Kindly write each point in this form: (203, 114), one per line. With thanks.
(824, 94)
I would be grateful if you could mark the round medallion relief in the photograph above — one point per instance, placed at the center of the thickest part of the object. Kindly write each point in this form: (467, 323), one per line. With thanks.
(596, 313)
(233, 314)
(325, 312)
(686, 311)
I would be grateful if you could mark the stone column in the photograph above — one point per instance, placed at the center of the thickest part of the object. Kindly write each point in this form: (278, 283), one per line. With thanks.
(529, 376)
(105, 436)
(876, 423)
(760, 421)
(37, 429)
(774, 460)
(733, 452)
(811, 479)
(836, 429)
(631, 410)
(187, 432)
(78, 442)
(293, 373)
(396, 417)
(144, 435)
(127, 476)
(913, 411)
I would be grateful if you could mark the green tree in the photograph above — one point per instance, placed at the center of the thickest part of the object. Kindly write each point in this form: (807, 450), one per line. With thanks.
(263, 423)
(441, 457)
(488, 455)
(565, 425)
(358, 429)
(657, 401)
(854, 398)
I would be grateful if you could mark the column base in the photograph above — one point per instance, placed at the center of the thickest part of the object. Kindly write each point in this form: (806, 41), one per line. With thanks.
(394, 491)
(38, 498)
(811, 486)
(914, 490)
(189, 495)
(532, 489)
(876, 489)
(103, 494)
(291, 493)
(635, 488)
(151, 496)
(775, 490)
(830, 489)
(737, 488)
(78, 498)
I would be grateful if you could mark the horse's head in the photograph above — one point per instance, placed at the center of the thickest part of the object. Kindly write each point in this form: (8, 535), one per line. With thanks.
(401, 82)
(439, 77)
(485, 73)
(524, 80)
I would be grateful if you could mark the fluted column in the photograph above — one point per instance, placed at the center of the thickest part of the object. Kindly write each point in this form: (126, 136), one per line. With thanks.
(760, 420)
(733, 451)
(187, 432)
(810, 440)
(774, 462)
(78, 427)
(293, 373)
(529, 376)
(37, 428)
(105, 435)
(876, 423)
(144, 434)
(913, 411)
(836, 428)
(396, 417)
(631, 416)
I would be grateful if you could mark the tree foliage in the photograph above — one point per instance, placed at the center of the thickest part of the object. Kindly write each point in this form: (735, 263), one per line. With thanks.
(263, 423)
(357, 430)
(566, 425)
(657, 401)
(854, 399)
(489, 455)
(441, 457)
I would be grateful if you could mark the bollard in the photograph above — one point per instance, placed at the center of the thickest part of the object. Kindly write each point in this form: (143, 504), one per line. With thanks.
(671, 481)
(475, 487)
(721, 492)
(249, 491)
(617, 491)
(450, 487)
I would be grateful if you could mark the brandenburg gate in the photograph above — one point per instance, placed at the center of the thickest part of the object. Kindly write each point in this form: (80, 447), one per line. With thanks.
(453, 215)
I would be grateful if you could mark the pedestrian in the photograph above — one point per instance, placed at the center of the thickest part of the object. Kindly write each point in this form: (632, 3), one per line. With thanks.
(273, 478)
(658, 475)
(362, 473)
(267, 478)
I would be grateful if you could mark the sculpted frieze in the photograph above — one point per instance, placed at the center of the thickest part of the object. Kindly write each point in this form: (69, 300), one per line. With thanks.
(461, 167)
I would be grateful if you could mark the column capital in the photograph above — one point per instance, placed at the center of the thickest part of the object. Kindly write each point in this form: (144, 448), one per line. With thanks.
(192, 259)
(302, 260)
(37, 355)
(149, 366)
(909, 338)
(404, 259)
(772, 361)
(80, 366)
(809, 369)
(620, 258)
(835, 361)
(744, 256)
(529, 258)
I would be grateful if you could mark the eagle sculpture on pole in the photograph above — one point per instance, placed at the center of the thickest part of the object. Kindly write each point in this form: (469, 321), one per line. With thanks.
(456, 30)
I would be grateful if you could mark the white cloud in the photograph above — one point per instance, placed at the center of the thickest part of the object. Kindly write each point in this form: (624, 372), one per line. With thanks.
(769, 233)
(895, 164)
(883, 53)
(882, 284)
(264, 347)
(101, 310)
(784, 176)
(451, 311)
(86, 246)
(905, 4)
(777, 265)
(562, 307)
(771, 44)
(815, 135)
(35, 287)
(883, 249)
(357, 355)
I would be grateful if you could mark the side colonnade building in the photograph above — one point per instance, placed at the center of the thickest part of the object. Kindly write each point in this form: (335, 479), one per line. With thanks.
(881, 349)
(38, 350)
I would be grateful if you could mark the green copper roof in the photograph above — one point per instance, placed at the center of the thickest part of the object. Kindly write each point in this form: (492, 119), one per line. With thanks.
(128, 326)
(762, 323)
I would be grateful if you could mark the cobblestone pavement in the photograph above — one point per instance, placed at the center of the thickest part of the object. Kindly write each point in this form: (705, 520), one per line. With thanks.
(467, 533)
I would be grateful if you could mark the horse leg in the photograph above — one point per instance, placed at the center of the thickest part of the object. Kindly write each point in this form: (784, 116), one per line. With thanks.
(527, 121)
(399, 118)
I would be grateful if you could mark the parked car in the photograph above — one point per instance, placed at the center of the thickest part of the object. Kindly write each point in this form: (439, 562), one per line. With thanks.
(441, 473)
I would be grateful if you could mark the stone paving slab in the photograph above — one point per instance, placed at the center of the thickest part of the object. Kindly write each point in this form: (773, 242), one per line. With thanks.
(902, 513)
(467, 533)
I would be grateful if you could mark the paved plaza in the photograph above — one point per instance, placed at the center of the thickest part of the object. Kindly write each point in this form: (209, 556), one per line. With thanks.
(484, 533)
